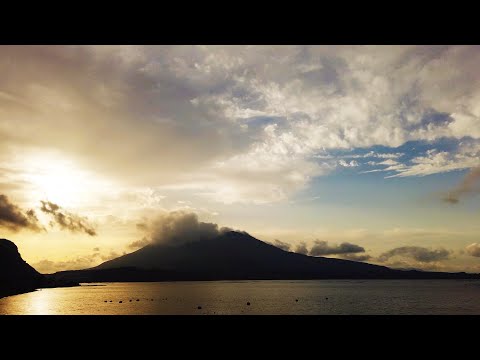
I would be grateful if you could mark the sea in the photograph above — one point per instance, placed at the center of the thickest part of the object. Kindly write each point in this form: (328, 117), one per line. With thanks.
(312, 297)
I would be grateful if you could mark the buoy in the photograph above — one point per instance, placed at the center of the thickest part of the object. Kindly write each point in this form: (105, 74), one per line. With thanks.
(120, 302)
(130, 300)
(110, 300)
(105, 301)
(199, 308)
(248, 303)
(296, 300)
(138, 299)
(326, 298)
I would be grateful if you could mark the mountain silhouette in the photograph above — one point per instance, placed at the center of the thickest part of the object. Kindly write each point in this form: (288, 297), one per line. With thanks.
(236, 256)
(17, 277)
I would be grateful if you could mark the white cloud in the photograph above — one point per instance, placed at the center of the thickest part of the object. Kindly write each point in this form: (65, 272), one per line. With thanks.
(182, 115)
(389, 162)
(435, 162)
(344, 163)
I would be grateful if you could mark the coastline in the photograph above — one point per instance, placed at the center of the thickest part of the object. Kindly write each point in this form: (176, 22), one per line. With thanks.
(16, 292)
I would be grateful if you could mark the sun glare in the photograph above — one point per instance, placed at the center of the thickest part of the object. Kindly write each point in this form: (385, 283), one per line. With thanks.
(59, 180)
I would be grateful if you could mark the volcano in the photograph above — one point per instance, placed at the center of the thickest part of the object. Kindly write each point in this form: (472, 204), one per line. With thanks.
(236, 256)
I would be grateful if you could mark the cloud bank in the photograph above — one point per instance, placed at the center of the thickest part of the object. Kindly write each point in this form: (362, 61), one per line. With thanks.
(417, 253)
(239, 123)
(78, 263)
(15, 219)
(321, 248)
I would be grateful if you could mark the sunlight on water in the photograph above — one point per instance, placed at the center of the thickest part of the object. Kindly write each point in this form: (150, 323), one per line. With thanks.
(254, 297)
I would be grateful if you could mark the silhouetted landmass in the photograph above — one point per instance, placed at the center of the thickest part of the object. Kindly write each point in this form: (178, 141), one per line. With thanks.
(236, 256)
(17, 277)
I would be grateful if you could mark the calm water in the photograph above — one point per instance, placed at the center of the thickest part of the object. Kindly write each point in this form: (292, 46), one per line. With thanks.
(265, 297)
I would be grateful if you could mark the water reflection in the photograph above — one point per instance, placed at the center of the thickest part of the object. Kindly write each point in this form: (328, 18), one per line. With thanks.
(40, 302)
(254, 297)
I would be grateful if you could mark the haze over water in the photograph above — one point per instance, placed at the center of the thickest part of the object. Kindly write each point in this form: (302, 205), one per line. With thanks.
(315, 297)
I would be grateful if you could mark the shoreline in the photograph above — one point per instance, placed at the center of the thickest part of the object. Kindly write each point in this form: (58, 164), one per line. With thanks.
(4, 295)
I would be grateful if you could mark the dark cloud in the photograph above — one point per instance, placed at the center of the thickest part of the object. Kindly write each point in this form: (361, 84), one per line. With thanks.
(322, 248)
(469, 184)
(301, 248)
(420, 254)
(96, 249)
(66, 220)
(281, 245)
(356, 257)
(13, 218)
(473, 249)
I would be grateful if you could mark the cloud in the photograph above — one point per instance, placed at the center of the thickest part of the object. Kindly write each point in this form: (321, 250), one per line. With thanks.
(344, 163)
(434, 162)
(473, 249)
(110, 256)
(66, 220)
(77, 263)
(370, 154)
(322, 248)
(470, 184)
(178, 227)
(142, 226)
(139, 243)
(15, 219)
(355, 257)
(236, 123)
(389, 162)
(281, 245)
(417, 253)
(301, 248)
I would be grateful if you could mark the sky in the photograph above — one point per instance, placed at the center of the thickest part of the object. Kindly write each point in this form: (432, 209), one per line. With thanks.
(369, 153)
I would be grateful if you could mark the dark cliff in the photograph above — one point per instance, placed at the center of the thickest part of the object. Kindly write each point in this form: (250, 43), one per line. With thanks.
(16, 276)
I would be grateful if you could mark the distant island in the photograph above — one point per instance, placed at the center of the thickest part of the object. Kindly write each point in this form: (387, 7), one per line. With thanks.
(230, 256)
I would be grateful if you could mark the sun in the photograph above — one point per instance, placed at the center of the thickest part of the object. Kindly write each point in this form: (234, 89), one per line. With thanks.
(58, 179)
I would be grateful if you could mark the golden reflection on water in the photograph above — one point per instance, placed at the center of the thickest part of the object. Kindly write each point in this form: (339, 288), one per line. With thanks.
(253, 297)
(40, 302)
